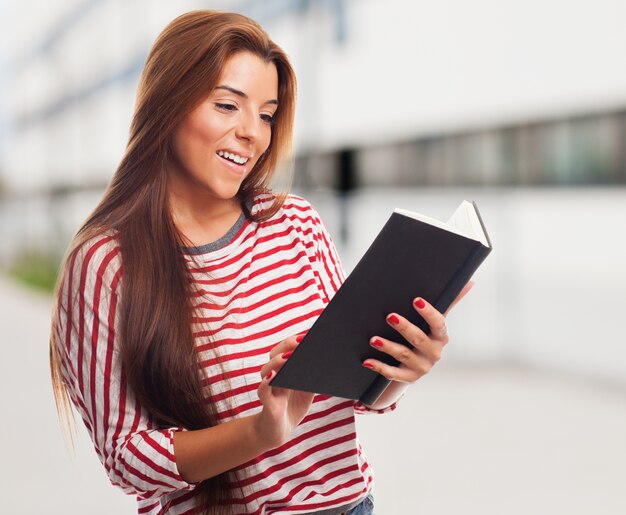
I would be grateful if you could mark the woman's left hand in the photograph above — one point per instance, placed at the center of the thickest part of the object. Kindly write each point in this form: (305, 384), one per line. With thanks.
(425, 350)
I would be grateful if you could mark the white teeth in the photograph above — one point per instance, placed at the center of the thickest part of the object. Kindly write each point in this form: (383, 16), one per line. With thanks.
(232, 157)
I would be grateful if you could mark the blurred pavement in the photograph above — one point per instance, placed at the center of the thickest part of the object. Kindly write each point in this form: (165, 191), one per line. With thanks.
(491, 441)
(40, 474)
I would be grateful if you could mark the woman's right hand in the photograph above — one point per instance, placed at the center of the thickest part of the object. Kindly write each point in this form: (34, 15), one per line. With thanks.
(283, 409)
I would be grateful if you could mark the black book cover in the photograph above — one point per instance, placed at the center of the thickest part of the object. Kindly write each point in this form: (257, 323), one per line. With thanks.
(408, 258)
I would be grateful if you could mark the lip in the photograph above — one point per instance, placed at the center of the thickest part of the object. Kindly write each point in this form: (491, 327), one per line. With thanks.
(240, 170)
(238, 152)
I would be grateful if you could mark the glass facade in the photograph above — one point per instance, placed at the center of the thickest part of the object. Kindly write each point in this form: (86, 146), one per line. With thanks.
(576, 151)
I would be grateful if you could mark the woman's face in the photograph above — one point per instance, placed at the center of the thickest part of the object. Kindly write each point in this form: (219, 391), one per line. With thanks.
(221, 140)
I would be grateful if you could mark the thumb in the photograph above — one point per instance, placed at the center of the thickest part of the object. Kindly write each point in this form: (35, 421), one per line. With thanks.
(264, 389)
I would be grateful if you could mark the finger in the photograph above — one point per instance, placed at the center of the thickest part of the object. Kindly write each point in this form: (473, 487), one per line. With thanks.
(416, 337)
(408, 356)
(435, 320)
(264, 390)
(403, 375)
(464, 292)
(276, 363)
(271, 397)
(287, 344)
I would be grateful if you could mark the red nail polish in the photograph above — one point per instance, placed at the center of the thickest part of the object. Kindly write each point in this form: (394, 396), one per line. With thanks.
(420, 303)
(367, 365)
(287, 354)
(393, 319)
(299, 338)
(269, 375)
(377, 343)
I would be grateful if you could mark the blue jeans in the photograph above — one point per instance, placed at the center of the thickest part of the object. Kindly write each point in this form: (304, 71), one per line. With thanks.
(364, 508)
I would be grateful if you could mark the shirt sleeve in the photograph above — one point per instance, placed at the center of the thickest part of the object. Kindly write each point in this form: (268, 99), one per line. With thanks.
(138, 456)
(362, 409)
(327, 265)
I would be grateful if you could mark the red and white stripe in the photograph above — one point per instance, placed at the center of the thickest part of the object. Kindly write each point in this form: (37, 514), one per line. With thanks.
(270, 281)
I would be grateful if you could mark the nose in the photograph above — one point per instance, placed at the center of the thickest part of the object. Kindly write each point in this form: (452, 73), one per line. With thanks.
(248, 126)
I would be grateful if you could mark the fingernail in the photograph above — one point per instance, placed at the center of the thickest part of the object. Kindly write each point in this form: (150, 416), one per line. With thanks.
(300, 337)
(419, 303)
(367, 365)
(269, 375)
(393, 319)
(287, 354)
(377, 343)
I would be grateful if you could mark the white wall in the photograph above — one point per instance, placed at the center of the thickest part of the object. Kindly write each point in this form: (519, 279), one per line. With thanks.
(422, 67)
(407, 68)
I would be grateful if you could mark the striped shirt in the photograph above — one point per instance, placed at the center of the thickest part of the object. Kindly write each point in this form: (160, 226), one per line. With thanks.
(259, 284)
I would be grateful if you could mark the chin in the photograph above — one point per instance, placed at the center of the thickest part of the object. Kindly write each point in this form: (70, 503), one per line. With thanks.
(224, 194)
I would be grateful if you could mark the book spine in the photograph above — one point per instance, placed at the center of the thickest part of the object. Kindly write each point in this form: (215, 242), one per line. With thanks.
(460, 279)
(375, 390)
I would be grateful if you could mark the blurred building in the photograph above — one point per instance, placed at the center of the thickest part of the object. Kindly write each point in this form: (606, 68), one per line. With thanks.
(497, 99)
(414, 93)
(423, 93)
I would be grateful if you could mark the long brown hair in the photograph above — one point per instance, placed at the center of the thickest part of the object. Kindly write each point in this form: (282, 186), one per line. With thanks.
(156, 343)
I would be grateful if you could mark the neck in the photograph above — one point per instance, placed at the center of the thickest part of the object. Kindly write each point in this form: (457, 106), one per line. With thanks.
(202, 220)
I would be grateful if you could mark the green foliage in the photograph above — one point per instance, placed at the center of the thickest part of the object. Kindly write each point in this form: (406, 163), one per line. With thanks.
(36, 269)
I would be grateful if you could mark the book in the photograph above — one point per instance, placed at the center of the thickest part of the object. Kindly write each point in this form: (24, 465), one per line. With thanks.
(412, 256)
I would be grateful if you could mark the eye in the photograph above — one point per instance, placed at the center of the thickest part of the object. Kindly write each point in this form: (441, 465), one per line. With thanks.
(268, 118)
(229, 108)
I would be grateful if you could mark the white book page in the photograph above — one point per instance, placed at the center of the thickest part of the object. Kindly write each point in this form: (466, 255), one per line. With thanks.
(464, 221)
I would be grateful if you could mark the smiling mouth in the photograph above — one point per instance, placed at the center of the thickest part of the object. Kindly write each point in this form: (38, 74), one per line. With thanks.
(233, 158)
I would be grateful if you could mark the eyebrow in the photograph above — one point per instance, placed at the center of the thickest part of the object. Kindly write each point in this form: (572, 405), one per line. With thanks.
(242, 94)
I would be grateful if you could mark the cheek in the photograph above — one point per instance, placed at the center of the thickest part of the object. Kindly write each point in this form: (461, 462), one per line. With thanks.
(203, 131)
(193, 140)
(266, 139)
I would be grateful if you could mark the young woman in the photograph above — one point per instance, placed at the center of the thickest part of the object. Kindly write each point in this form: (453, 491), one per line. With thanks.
(191, 283)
